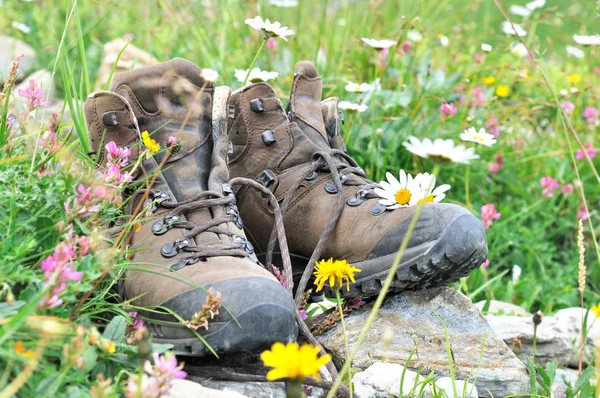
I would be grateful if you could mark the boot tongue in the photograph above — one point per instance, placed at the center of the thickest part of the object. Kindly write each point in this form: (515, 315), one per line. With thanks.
(305, 103)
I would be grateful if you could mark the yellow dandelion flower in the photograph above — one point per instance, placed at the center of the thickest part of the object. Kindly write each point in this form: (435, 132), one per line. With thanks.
(293, 362)
(334, 271)
(489, 80)
(574, 78)
(596, 309)
(502, 90)
(149, 143)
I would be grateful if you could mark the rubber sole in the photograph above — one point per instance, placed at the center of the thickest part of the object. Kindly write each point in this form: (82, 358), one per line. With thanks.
(460, 248)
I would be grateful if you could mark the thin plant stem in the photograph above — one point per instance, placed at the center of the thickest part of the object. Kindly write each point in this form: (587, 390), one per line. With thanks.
(467, 196)
(581, 345)
(339, 302)
(262, 45)
(380, 297)
(534, 342)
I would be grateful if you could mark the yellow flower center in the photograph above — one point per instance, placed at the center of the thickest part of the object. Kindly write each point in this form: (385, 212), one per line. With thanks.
(426, 199)
(403, 196)
(478, 138)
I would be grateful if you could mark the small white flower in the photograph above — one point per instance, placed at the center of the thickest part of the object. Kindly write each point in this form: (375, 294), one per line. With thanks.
(284, 3)
(341, 22)
(271, 29)
(564, 92)
(486, 47)
(444, 41)
(429, 192)
(210, 75)
(440, 149)
(593, 40)
(404, 193)
(256, 75)
(516, 274)
(575, 52)
(379, 44)
(520, 11)
(349, 106)
(507, 28)
(480, 137)
(359, 87)
(574, 90)
(534, 5)
(518, 49)
(414, 35)
(21, 26)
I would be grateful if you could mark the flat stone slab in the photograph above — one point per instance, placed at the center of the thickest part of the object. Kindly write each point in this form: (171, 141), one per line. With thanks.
(411, 319)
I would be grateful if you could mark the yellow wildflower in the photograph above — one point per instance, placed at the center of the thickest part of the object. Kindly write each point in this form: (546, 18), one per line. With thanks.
(19, 348)
(502, 90)
(334, 271)
(149, 143)
(489, 80)
(574, 78)
(138, 226)
(596, 309)
(293, 362)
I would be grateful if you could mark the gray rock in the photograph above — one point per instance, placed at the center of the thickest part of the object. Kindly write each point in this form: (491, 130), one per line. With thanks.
(558, 336)
(501, 308)
(12, 47)
(413, 317)
(188, 389)
(383, 380)
(467, 390)
(252, 389)
(568, 322)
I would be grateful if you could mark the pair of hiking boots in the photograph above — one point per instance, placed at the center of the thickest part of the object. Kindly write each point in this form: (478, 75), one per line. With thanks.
(191, 236)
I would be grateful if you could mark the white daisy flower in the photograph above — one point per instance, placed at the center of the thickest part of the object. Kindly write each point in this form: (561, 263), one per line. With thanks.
(480, 137)
(486, 47)
(520, 11)
(593, 40)
(518, 49)
(516, 274)
(256, 75)
(379, 44)
(575, 52)
(507, 28)
(534, 5)
(404, 193)
(444, 41)
(21, 26)
(359, 87)
(271, 29)
(349, 106)
(429, 192)
(414, 35)
(440, 149)
(284, 3)
(210, 75)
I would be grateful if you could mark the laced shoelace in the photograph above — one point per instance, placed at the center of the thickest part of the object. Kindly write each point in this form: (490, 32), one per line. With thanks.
(339, 164)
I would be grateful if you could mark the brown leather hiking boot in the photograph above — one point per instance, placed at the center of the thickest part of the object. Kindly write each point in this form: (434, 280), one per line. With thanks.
(193, 238)
(329, 208)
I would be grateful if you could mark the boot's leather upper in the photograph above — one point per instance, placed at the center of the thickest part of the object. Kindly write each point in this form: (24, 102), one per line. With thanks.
(193, 237)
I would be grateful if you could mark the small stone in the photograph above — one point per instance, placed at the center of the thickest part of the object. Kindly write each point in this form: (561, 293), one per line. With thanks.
(187, 388)
(568, 321)
(413, 316)
(383, 380)
(132, 58)
(465, 391)
(12, 47)
(501, 308)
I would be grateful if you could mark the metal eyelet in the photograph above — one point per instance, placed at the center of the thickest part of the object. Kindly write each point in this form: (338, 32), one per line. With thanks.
(355, 200)
(268, 137)
(172, 249)
(377, 209)
(227, 190)
(256, 105)
(312, 176)
(330, 187)
(110, 118)
(244, 242)
(156, 200)
(231, 210)
(163, 226)
(184, 262)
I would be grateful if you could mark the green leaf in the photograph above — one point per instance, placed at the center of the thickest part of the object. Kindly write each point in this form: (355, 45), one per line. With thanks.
(115, 330)
(583, 380)
(90, 356)
(7, 310)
